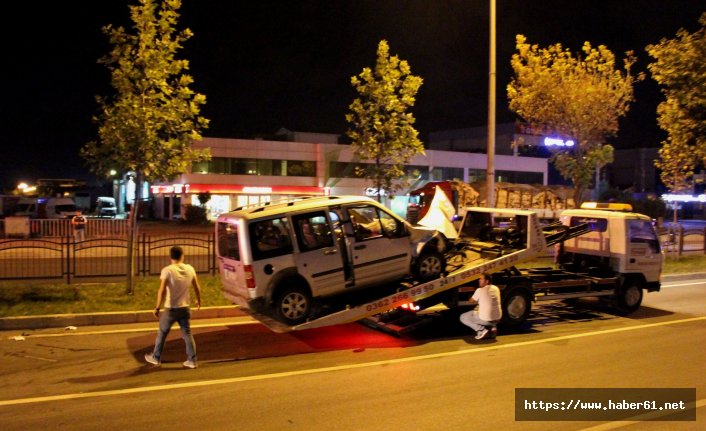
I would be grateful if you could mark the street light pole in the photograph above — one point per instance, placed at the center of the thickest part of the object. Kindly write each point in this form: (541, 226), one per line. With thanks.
(490, 171)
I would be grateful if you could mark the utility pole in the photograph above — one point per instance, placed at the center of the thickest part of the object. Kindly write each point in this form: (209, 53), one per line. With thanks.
(490, 171)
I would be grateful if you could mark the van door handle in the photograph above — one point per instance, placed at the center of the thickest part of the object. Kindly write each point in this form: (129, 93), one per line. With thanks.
(359, 246)
(332, 251)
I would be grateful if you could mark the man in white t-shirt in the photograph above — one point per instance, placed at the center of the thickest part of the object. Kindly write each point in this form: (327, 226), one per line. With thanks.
(488, 313)
(175, 281)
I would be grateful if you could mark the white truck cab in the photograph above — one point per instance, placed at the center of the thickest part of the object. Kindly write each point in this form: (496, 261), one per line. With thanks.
(619, 240)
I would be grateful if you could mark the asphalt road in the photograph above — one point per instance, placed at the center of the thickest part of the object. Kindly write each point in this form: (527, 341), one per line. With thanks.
(352, 377)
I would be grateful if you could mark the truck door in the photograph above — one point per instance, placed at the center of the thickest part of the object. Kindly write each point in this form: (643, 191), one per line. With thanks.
(380, 249)
(644, 253)
(319, 260)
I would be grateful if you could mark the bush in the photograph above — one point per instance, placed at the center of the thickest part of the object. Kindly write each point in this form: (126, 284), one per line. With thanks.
(195, 215)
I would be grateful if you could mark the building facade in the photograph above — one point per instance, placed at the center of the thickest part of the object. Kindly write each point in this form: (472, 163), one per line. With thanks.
(246, 172)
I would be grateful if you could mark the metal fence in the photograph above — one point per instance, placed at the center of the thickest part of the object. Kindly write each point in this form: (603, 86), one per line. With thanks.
(59, 228)
(100, 256)
(679, 240)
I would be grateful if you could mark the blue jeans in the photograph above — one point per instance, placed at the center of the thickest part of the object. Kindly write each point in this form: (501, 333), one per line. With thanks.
(166, 320)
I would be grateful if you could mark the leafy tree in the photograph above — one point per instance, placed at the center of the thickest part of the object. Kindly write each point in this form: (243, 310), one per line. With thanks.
(579, 97)
(204, 197)
(382, 130)
(680, 70)
(149, 124)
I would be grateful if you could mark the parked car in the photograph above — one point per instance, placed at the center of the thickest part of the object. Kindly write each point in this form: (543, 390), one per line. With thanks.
(277, 259)
(105, 207)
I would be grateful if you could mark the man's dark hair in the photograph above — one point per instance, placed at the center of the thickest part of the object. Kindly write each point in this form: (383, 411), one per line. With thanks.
(488, 277)
(176, 252)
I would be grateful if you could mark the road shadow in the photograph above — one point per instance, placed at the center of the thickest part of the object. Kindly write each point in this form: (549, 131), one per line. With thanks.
(256, 341)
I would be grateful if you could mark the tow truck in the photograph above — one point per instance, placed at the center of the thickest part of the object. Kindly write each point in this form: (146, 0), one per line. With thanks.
(602, 250)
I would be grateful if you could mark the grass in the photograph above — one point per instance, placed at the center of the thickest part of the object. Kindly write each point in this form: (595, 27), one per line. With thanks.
(672, 265)
(40, 298)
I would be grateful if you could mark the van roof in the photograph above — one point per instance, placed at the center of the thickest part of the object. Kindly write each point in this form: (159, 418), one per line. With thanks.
(269, 209)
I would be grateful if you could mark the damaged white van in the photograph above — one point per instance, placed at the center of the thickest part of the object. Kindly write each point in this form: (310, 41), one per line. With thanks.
(278, 259)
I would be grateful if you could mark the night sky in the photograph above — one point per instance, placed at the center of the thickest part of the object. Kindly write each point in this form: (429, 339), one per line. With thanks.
(264, 64)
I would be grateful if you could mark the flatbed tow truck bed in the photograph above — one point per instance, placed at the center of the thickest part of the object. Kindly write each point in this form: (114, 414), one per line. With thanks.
(468, 261)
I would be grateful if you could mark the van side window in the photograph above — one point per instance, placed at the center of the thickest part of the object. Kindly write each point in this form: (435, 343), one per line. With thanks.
(371, 222)
(313, 231)
(270, 238)
(594, 224)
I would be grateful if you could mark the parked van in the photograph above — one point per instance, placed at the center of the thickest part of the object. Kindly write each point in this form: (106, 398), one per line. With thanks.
(105, 207)
(60, 208)
(31, 207)
(278, 259)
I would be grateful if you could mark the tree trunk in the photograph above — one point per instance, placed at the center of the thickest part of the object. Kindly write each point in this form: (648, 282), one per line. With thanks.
(132, 235)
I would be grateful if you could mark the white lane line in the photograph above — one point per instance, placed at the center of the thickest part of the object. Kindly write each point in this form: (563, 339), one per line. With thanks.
(696, 283)
(335, 368)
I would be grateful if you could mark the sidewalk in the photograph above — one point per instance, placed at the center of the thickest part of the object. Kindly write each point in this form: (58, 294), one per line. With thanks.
(115, 318)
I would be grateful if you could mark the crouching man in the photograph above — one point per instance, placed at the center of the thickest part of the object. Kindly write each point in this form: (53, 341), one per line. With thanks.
(485, 317)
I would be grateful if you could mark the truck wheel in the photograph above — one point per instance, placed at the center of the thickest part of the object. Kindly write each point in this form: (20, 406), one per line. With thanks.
(629, 296)
(293, 304)
(517, 305)
(429, 266)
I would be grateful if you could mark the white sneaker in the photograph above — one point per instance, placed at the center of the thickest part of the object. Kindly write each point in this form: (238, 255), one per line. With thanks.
(149, 357)
(189, 364)
(482, 333)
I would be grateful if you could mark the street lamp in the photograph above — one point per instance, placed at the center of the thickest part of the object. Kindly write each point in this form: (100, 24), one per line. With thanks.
(490, 171)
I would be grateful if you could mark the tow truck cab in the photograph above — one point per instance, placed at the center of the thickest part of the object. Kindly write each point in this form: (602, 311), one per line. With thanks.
(619, 242)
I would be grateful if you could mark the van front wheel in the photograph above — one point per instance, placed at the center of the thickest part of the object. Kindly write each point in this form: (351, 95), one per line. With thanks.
(293, 304)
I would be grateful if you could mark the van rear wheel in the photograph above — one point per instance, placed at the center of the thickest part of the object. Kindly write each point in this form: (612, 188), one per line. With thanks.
(293, 304)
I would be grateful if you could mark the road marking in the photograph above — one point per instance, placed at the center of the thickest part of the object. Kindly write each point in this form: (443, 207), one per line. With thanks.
(607, 426)
(698, 283)
(334, 368)
(128, 331)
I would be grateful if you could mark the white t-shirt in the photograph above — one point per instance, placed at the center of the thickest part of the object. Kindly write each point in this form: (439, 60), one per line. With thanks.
(488, 298)
(179, 277)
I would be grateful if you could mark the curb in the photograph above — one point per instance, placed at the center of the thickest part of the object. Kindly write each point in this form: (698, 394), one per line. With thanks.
(113, 318)
(684, 276)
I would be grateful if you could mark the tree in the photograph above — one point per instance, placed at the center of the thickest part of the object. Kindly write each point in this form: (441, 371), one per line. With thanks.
(149, 125)
(204, 197)
(382, 130)
(680, 70)
(578, 97)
